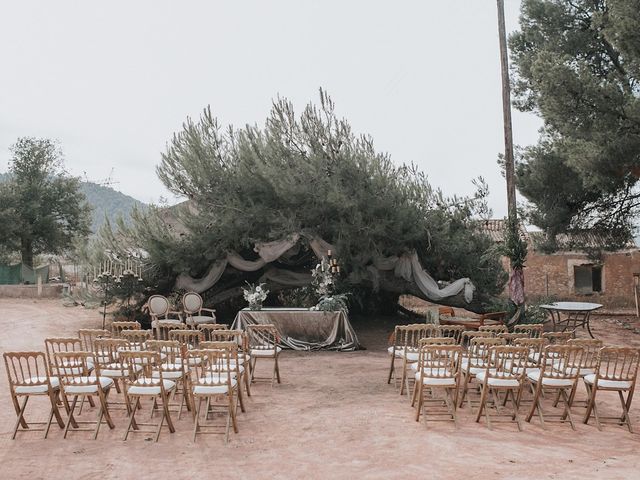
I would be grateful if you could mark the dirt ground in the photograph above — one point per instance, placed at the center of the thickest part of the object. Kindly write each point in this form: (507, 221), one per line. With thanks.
(333, 416)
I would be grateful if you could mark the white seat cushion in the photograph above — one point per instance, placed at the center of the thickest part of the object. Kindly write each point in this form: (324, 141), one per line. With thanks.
(399, 351)
(114, 370)
(497, 382)
(145, 387)
(260, 352)
(534, 376)
(614, 384)
(213, 389)
(411, 356)
(558, 365)
(79, 388)
(472, 367)
(199, 320)
(436, 381)
(35, 389)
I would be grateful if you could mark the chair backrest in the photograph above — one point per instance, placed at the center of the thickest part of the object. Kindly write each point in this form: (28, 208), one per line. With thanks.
(239, 337)
(163, 327)
(189, 339)
(493, 328)
(507, 362)
(439, 361)
(511, 337)
(118, 327)
(469, 335)
(536, 347)
(191, 303)
(27, 369)
(139, 369)
(559, 361)
(158, 306)
(591, 347)
(73, 369)
(137, 338)
(559, 338)
(170, 352)
(263, 337)
(410, 335)
(89, 335)
(437, 341)
(208, 328)
(478, 351)
(108, 349)
(211, 365)
(60, 344)
(533, 329)
(618, 364)
(453, 331)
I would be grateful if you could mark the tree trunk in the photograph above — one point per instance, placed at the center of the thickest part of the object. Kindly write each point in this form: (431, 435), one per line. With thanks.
(26, 251)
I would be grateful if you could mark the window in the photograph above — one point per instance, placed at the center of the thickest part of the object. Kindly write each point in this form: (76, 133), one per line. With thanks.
(587, 278)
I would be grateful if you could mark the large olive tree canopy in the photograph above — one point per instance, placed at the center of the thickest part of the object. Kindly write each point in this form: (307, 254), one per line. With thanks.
(309, 176)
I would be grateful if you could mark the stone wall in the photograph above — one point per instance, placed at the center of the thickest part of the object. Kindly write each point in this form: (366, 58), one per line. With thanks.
(553, 276)
(51, 290)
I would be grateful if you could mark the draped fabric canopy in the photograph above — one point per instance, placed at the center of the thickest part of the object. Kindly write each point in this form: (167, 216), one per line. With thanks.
(407, 267)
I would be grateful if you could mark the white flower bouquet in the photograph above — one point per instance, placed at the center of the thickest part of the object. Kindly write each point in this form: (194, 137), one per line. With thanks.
(255, 295)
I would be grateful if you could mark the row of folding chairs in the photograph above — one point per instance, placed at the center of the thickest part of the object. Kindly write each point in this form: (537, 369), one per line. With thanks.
(75, 370)
(504, 366)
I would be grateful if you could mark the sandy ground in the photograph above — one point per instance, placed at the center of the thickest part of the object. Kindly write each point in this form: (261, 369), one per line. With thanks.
(334, 416)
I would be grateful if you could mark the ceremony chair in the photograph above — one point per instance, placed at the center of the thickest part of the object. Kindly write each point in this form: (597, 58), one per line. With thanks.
(236, 365)
(559, 338)
(511, 337)
(208, 328)
(263, 343)
(428, 341)
(560, 377)
(108, 359)
(452, 331)
(78, 382)
(163, 327)
(60, 344)
(244, 359)
(212, 381)
(148, 382)
(616, 371)
(28, 375)
(534, 330)
(438, 369)
(410, 336)
(137, 338)
(476, 360)
(173, 368)
(88, 336)
(193, 309)
(118, 327)
(504, 372)
(467, 335)
(160, 309)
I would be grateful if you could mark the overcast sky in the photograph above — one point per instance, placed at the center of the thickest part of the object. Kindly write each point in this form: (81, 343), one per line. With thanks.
(113, 80)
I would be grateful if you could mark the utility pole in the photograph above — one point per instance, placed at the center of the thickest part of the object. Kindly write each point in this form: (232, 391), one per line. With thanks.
(506, 113)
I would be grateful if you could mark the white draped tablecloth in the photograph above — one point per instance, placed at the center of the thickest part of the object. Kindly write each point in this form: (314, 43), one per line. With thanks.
(303, 329)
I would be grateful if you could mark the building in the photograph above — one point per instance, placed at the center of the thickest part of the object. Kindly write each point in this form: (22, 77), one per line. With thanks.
(589, 274)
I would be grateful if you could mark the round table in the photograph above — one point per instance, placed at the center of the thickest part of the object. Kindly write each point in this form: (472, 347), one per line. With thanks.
(576, 314)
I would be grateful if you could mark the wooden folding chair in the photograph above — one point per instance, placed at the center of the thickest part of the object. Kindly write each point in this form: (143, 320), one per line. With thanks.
(505, 372)
(137, 338)
(28, 374)
(208, 328)
(559, 338)
(173, 368)
(107, 355)
(511, 337)
(214, 380)
(467, 335)
(438, 369)
(263, 343)
(410, 340)
(236, 366)
(475, 360)
(118, 327)
(76, 382)
(244, 359)
(148, 382)
(61, 344)
(163, 327)
(88, 336)
(557, 373)
(616, 371)
(534, 330)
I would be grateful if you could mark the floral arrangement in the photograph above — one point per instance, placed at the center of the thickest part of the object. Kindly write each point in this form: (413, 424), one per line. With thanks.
(332, 303)
(322, 278)
(255, 295)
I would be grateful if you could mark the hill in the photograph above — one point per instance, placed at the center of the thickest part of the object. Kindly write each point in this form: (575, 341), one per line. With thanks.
(105, 201)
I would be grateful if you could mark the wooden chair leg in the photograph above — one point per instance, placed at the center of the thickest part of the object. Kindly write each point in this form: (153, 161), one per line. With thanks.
(483, 399)
(625, 412)
(391, 369)
(20, 420)
(196, 418)
(70, 419)
(590, 403)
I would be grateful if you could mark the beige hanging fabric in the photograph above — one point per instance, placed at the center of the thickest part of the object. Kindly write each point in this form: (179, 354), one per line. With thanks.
(407, 267)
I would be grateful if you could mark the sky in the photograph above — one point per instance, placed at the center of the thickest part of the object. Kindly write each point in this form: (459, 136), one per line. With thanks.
(112, 81)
